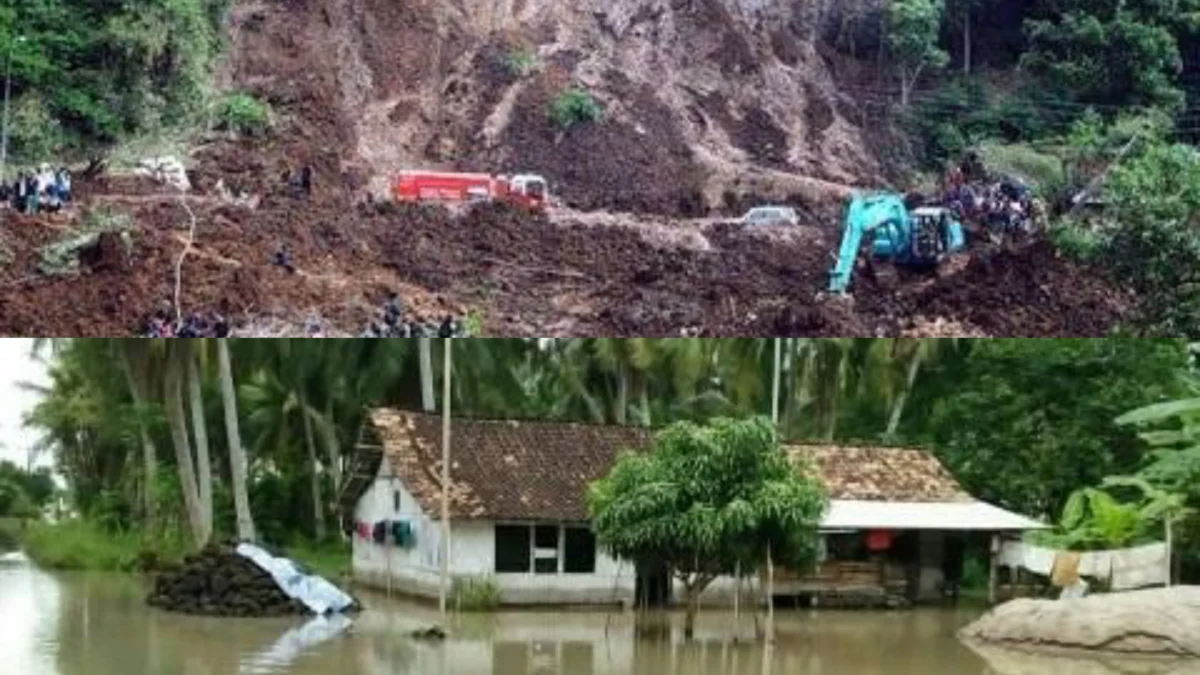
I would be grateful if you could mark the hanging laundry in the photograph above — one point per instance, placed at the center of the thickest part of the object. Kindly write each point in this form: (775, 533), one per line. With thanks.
(1096, 564)
(1138, 567)
(1012, 554)
(1076, 590)
(1037, 559)
(364, 529)
(402, 533)
(379, 532)
(1065, 572)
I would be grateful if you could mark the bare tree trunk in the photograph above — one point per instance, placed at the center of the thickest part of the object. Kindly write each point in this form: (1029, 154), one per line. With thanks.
(425, 361)
(237, 454)
(200, 432)
(914, 365)
(692, 600)
(177, 421)
(148, 450)
(318, 506)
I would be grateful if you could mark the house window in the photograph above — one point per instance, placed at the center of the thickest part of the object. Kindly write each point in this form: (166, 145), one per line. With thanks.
(396, 501)
(545, 549)
(512, 548)
(579, 550)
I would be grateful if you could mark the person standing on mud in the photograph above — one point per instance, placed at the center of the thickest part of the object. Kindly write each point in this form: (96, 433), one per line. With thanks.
(306, 180)
(33, 196)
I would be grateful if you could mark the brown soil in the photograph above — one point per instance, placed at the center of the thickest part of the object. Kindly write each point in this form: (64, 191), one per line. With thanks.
(361, 88)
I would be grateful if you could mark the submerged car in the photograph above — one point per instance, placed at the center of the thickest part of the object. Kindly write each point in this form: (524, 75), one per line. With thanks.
(771, 215)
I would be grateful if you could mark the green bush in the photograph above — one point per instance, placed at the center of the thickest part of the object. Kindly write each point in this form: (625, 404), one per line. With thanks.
(574, 106)
(519, 62)
(244, 114)
(475, 594)
(1044, 171)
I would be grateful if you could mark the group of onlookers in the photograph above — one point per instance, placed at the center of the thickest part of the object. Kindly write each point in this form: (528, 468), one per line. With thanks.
(36, 191)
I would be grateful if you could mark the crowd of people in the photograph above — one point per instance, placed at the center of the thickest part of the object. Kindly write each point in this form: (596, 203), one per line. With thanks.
(394, 325)
(999, 203)
(33, 192)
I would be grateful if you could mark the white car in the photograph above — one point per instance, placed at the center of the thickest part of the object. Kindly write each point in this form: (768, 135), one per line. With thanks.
(771, 215)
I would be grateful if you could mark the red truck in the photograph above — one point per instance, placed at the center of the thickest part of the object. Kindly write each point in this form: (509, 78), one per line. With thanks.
(526, 190)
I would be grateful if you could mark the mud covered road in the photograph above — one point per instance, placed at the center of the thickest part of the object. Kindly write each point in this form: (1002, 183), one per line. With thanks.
(519, 274)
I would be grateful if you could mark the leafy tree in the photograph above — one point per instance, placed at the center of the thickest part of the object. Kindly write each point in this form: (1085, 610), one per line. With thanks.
(706, 499)
(1024, 423)
(1122, 52)
(913, 27)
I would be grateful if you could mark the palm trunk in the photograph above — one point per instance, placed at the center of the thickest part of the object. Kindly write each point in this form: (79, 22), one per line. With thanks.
(148, 450)
(177, 421)
(329, 431)
(914, 365)
(237, 454)
(425, 361)
(770, 596)
(318, 506)
(200, 432)
(622, 402)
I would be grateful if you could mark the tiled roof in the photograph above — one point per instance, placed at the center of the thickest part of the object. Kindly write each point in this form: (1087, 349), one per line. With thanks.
(503, 469)
(882, 474)
(536, 470)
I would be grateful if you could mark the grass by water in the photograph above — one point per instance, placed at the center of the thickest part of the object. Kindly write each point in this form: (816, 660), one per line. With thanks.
(83, 545)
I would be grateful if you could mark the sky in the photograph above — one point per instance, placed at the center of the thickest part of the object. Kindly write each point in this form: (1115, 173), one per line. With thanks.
(16, 365)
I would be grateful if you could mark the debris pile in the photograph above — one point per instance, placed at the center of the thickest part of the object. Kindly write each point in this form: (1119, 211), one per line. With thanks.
(217, 581)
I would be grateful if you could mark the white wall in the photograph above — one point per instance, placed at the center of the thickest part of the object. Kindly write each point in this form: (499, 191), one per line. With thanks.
(413, 570)
(416, 571)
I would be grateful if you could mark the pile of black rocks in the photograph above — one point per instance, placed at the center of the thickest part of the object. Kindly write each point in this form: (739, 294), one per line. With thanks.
(217, 581)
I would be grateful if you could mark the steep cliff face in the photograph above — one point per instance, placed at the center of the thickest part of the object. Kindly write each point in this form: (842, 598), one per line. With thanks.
(700, 97)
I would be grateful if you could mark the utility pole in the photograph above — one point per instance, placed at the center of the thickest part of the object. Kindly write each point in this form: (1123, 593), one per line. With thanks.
(7, 95)
(445, 557)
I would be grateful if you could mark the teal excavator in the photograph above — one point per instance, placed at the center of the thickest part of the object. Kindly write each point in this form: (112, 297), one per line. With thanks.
(883, 229)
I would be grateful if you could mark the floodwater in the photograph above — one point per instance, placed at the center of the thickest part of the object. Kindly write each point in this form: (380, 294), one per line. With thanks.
(77, 624)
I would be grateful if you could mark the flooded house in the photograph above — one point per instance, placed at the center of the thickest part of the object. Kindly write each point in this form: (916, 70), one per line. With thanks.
(895, 531)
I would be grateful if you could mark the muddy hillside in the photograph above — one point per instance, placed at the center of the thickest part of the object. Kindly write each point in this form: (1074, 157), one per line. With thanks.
(709, 106)
(699, 97)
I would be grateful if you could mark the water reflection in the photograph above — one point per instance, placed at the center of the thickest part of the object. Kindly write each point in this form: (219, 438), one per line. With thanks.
(99, 625)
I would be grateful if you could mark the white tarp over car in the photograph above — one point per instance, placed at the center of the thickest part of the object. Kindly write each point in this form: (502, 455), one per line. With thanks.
(851, 514)
(316, 593)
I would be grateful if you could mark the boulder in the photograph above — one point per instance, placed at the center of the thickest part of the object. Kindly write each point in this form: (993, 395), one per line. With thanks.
(1159, 621)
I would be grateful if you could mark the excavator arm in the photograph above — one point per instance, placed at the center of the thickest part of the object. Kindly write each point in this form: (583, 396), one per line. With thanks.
(865, 215)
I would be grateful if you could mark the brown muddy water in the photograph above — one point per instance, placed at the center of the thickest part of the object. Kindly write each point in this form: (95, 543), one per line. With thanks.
(77, 624)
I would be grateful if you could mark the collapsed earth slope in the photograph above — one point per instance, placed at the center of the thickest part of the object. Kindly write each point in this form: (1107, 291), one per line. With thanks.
(700, 97)
(708, 104)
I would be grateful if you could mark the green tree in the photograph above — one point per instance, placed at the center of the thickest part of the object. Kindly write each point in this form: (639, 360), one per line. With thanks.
(913, 27)
(1024, 423)
(1120, 52)
(707, 499)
